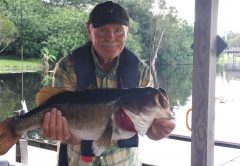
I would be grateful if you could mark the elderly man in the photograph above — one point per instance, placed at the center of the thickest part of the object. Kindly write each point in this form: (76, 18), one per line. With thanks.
(104, 62)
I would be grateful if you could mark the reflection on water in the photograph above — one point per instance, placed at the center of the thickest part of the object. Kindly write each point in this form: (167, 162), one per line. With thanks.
(11, 91)
(11, 95)
(227, 104)
(172, 152)
(177, 80)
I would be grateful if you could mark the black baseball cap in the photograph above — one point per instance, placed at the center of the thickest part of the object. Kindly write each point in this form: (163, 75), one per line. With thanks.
(106, 13)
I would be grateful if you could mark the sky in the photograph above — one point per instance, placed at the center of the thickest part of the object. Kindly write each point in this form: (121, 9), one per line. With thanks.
(228, 13)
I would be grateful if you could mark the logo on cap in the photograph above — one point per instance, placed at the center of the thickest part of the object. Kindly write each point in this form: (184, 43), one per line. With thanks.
(110, 11)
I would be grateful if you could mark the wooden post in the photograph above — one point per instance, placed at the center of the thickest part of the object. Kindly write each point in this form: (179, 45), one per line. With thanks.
(203, 84)
(21, 151)
(21, 145)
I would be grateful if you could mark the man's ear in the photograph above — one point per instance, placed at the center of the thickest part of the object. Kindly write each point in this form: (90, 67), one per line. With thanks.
(129, 29)
(88, 31)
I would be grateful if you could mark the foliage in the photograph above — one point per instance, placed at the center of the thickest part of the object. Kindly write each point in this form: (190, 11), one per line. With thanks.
(28, 16)
(73, 3)
(8, 33)
(134, 39)
(59, 26)
(47, 79)
(232, 39)
(59, 29)
(9, 102)
(163, 23)
(139, 11)
(46, 55)
(66, 30)
(165, 39)
(176, 47)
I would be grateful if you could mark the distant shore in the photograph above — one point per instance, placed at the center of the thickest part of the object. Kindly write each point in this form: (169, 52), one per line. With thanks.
(14, 64)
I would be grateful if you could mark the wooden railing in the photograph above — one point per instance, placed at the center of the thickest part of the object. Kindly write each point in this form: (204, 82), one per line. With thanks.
(21, 155)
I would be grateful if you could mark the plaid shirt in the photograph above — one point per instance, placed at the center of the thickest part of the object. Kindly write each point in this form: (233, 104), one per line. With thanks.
(64, 76)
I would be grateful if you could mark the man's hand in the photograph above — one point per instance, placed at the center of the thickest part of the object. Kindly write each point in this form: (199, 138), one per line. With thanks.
(55, 126)
(161, 128)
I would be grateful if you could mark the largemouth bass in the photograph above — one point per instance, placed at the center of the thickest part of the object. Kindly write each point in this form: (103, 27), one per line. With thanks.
(101, 115)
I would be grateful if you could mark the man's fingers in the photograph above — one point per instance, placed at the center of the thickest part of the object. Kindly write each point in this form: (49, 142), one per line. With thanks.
(59, 126)
(55, 126)
(168, 126)
(45, 124)
(65, 129)
(161, 128)
(52, 124)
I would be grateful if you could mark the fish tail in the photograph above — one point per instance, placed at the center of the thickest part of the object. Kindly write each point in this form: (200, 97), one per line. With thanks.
(8, 137)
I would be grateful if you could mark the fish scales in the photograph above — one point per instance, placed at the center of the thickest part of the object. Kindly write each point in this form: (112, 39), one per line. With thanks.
(97, 114)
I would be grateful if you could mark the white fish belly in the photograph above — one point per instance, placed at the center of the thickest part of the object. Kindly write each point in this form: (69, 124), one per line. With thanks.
(88, 134)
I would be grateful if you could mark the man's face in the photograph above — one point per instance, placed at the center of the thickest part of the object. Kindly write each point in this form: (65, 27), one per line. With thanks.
(108, 40)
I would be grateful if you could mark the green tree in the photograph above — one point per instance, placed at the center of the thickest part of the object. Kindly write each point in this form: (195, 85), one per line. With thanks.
(163, 23)
(134, 39)
(47, 57)
(232, 39)
(8, 33)
(140, 12)
(59, 25)
(66, 30)
(28, 16)
(58, 28)
(74, 3)
(176, 48)
(42, 25)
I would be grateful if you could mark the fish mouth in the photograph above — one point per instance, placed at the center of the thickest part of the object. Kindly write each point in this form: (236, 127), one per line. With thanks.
(124, 121)
(143, 120)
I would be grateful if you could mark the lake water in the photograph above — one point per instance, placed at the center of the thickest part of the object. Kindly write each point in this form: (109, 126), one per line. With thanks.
(227, 114)
(177, 80)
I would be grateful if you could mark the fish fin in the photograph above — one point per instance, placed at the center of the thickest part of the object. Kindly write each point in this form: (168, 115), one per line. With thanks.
(7, 136)
(104, 141)
(47, 92)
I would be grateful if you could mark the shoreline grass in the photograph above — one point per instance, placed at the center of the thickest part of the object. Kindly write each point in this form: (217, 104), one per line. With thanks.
(17, 62)
(16, 65)
(225, 58)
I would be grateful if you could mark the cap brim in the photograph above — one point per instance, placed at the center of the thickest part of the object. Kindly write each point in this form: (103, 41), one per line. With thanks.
(110, 20)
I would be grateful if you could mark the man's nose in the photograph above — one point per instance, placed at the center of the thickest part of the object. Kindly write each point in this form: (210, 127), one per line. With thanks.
(110, 35)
